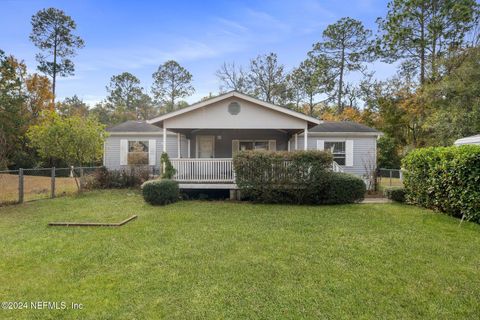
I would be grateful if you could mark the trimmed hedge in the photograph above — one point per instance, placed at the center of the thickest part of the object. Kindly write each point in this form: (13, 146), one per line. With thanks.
(446, 179)
(344, 188)
(160, 191)
(395, 193)
(302, 177)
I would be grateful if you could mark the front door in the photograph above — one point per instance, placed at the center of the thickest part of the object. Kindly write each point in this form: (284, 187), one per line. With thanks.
(205, 146)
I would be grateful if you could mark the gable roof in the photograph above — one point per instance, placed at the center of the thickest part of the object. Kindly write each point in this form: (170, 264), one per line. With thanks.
(134, 126)
(237, 94)
(342, 126)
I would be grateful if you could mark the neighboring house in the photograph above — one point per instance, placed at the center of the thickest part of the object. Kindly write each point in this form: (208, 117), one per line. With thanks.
(468, 140)
(201, 139)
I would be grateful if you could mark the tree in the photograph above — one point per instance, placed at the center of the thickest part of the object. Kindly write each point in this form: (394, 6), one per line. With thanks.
(422, 31)
(52, 32)
(296, 92)
(75, 140)
(453, 103)
(170, 82)
(309, 80)
(232, 77)
(267, 78)
(348, 114)
(145, 107)
(103, 113)
(387, 153)
(125, 94)
(39, 94)
(352, 95)
(345, 44)
(12, 108)
(72, 106)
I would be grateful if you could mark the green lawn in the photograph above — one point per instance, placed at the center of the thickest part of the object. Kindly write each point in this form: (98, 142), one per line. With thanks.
(237, 260)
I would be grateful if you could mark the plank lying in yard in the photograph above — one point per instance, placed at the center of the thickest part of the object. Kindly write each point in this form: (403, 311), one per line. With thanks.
(91, 224)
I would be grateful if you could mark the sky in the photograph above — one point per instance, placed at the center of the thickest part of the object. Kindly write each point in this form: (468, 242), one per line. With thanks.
(138, 36)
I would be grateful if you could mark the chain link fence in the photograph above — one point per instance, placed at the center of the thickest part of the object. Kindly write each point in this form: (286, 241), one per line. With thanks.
(389, 178)
(17, 186)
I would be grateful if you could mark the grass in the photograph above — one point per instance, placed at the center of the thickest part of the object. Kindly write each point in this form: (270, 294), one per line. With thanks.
(387, 182)
(35, 187)
(220, 260)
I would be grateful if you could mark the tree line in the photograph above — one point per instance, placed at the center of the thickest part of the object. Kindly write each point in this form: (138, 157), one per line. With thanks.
(431, 100)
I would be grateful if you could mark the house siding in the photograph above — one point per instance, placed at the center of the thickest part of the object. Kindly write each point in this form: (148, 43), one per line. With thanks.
(364, 150)
(112, 148)
(250, 116)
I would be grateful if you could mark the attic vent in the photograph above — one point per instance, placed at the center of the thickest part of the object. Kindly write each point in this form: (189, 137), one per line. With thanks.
(234, 108)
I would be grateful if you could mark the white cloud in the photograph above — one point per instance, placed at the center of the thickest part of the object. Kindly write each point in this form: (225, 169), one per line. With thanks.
(266, 20)
(135, 57)
(232, 24)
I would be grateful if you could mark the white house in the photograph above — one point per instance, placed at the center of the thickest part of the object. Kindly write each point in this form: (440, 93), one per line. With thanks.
(200, 139)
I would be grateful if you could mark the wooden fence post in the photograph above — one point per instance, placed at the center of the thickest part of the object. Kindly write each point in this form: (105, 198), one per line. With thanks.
(390, 178)
(53, 183)
(20, 185)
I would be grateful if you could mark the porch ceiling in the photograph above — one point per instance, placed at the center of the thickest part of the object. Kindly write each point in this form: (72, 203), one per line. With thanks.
(193, 131)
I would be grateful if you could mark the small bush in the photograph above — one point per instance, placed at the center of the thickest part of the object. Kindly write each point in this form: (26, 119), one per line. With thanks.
(169, 171)
(446, 179)
(116, 179)
(343, 188)
(395, 193)
(160, 192)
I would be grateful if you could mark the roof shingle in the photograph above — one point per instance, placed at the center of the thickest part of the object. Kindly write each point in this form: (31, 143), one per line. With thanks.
(341, 126)
(134, 126)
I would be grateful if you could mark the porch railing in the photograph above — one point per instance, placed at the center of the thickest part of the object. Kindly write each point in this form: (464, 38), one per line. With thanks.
(219, 170)
(204, 170)
(336, 167)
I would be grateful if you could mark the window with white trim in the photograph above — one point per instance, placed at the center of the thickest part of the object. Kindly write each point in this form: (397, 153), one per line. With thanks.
(253, 145)
(337, 148)
(137, 153)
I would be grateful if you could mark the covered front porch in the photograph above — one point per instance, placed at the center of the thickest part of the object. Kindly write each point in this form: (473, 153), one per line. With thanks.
(208, 160)
(210, 132)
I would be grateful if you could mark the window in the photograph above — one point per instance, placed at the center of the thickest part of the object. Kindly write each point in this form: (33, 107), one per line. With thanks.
(137, 153)
(254, 145)
(234, 108)
(337, 148)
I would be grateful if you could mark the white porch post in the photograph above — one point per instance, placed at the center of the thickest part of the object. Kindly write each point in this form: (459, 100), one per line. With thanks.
(305, 138)
(164, 147)
(164, 139)
(288, 144)
(296, 141)
(188, 146)
(178, 146)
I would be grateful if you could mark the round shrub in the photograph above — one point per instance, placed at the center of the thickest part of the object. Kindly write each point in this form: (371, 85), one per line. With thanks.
(395, 193)
(344, 188)
(160, 191)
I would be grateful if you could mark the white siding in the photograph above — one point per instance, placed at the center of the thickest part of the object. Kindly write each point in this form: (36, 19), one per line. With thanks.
(112, 148)
(251, 116)
(364, 150)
